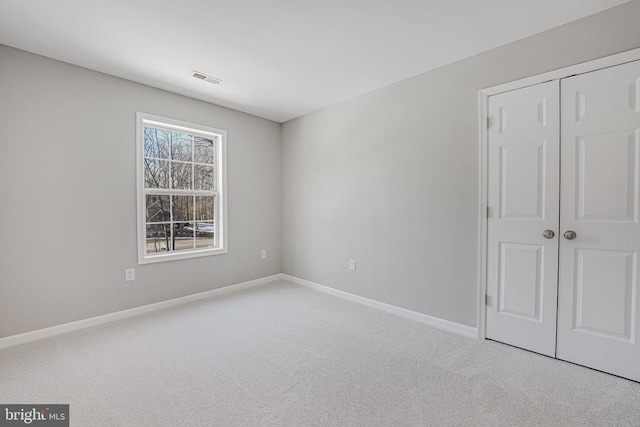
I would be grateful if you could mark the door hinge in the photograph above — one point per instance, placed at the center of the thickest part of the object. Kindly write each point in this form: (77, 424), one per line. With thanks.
(487, 300)
(488, 122)
(488, 212)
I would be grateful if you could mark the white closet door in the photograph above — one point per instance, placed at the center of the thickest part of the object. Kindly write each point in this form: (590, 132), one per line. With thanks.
(523, 203)
(598, 323)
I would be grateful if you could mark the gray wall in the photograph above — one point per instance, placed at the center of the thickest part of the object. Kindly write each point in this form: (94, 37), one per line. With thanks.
(68, 195)
(391, 178)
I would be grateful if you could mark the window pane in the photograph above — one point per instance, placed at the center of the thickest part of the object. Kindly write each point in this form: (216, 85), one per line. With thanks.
(181, 147)
(182, 208)
(183, 234)
(158, 238)
(204, 208)
(156, 173)
(182, 175)
(204, 234)
(156, 143)
(203, 150)
(158, 208)
(203, 177)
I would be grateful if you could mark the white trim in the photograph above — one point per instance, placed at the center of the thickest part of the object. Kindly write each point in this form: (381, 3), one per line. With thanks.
(483, 100)
(484, 94)
(140, 196)
(585, 67)
(221, 186)
(180, 126)
(184, 254)
(435, 322)
(64, 328)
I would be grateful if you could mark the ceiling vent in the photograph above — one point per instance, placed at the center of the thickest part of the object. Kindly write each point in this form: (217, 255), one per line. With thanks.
(205, 77)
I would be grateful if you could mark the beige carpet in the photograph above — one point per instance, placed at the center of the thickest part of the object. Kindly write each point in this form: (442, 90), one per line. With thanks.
(284, 355)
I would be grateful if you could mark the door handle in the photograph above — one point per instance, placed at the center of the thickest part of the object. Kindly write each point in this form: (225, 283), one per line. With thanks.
(570, 235)
(548, 234)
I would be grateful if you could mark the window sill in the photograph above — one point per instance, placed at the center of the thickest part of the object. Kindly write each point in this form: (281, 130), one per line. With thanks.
(173, 256)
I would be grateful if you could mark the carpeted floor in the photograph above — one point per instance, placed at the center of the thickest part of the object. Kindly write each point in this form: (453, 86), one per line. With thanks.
(285, 355)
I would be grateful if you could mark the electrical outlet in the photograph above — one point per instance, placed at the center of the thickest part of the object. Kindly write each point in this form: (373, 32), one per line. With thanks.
(352, 264)
(129, 274)
(263, 254)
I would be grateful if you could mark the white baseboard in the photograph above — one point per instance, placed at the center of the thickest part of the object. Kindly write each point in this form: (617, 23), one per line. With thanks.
(26, 337)
(435, 322)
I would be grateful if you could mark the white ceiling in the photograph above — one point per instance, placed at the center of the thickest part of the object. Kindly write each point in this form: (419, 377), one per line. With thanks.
(278, 59)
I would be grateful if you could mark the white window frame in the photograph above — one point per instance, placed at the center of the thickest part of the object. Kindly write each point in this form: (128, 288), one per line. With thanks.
(220, 192)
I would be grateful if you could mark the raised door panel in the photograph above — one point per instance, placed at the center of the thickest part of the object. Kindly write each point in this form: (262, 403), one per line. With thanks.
(520, 280)
(522, 180)
(606, 311)
(606, 173)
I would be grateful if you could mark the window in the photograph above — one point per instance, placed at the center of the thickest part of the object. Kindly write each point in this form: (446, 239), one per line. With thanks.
(181, 190)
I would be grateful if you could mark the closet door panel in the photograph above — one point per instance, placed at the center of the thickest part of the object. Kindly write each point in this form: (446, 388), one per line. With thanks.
(598, 325)
(523, 202)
